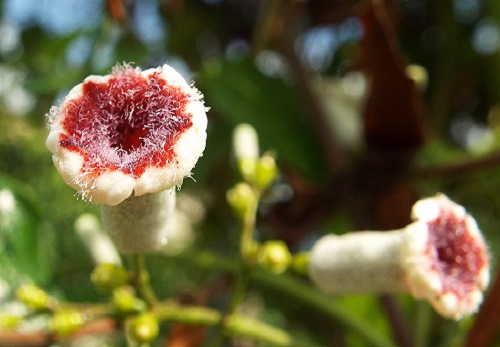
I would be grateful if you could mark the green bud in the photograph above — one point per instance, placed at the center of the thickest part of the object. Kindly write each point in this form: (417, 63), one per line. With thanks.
(247, 168)
(33, 297)
(242, 199)
(144, 328)
(300, 263)
(66, 322)
(9, 321)
(266, 171)
(419, 75)
(109, 276)
(274, 256)
(246, 150)
(125, 301)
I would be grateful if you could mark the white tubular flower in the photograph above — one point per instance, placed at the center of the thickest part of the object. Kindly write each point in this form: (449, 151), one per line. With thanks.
(246, 150)
(141, 224)
(245, 142)
(97, 242)
(441, 257)
(129, 133)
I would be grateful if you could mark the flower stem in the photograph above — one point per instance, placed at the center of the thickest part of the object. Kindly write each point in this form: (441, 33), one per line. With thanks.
(247, 252)
(295, 290)
(141, 279)
(234, 325)
(423, 324)
(247, 243)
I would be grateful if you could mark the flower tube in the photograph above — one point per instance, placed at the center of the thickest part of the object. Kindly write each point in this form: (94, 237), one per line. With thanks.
(125, 141)
(441, 257)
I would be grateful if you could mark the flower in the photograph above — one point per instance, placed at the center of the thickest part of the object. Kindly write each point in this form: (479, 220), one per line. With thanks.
(445, 257)
(130, 132)
(98, 243)
(441, 257)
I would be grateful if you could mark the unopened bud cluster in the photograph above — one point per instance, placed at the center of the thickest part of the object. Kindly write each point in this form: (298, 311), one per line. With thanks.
(33, 297)
(258, 173)
(274, 256)
(109, 276)
(125, 301)
(144, 328)
(66, 322)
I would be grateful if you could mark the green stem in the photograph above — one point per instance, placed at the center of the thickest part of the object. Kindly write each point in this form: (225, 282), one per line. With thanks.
(299, 292)
(247, 252)
(423, 324)
(247, 243)
(234, 325)
(141, 279)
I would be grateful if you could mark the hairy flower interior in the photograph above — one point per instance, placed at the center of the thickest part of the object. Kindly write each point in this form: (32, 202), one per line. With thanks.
(128, 123)
(456, 254)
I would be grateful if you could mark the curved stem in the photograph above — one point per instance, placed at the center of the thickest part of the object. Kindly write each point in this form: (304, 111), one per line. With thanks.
(423, 324)
(247, 243)
(296, 290)
(247, 250)
(141, 279)
(234, 325)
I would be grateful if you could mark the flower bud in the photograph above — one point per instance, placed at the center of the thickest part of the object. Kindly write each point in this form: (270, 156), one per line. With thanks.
(109, 276)
(266, 171)
(98, 243)
(419, 75)
(246, 150)
(66, 322)
(242, 199)
(144, 328)
(274, 256)
(300, 263)
(9, 321)
(33, 297)
(125, 301)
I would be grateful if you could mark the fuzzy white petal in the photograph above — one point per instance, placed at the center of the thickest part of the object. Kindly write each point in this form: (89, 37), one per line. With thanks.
(111, 188)
(52, 142)
(69, 165)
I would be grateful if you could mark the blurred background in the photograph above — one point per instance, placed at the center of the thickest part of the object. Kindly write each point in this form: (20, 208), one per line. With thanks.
(368, 105)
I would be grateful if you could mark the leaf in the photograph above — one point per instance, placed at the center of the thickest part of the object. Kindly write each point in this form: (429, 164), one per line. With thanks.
(26, 245)
(239, 93)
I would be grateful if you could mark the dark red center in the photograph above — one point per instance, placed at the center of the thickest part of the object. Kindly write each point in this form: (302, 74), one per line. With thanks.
(456, 255)
(128, 123)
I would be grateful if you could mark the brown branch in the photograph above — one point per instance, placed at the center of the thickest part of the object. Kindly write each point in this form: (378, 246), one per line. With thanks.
(400, 331)
(484, 331)
(464, 167)
(14, 338)
(117, 10)
(318, 116)
(42, 338)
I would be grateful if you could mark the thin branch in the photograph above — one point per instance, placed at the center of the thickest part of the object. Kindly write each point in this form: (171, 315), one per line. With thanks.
(14, 338)
(141, 279)
(315, 108)
(464, 167)
(43, 338)
(399, 327)
(234, 325)
(268, 22)
(484, 330)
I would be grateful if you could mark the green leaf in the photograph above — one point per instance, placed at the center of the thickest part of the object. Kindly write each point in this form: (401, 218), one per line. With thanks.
(239, 93)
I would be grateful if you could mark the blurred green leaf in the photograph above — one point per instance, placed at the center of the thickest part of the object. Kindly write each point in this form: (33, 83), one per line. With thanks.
(240, 93)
